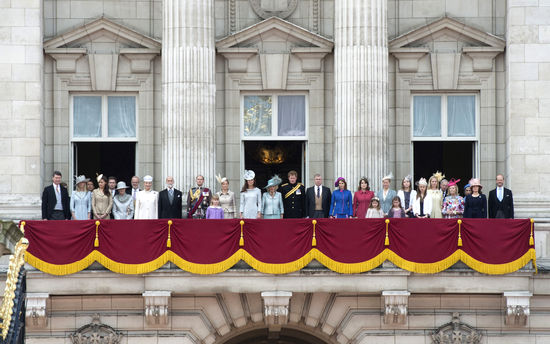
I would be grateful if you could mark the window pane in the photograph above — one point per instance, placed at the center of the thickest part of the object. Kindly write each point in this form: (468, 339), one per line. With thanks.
(461, 112)
(427, 116)
(257, 115)
(122, 116)
(86, 116)
(292, 115)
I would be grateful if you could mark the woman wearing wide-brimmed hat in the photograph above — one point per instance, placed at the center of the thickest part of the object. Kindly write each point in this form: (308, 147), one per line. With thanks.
(251, 197)
(475, 205)
(272, 201)
(81, 200)
(341, 204)
(123, 203)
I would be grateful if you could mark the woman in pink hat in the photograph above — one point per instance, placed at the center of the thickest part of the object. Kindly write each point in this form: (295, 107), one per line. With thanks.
(341, 203)
(475, 205)
(453, 206)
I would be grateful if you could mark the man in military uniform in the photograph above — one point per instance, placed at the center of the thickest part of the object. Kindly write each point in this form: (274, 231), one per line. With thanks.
(294, 197)
(198, 199)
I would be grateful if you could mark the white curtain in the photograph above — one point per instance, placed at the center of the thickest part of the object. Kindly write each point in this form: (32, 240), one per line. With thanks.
(292, 115)
(257, 116)
(461, 116)
(122, 116)
(86, 116)
(427, 116)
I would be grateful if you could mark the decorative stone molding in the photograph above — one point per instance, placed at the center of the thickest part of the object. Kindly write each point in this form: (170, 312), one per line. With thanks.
(96, 333)
(445, 68)
(482, 57)
(517, 307)
(311, 58)
(237, 59)
(270, 8)
(408, 58)
(35, 315)
(396, 305)
(456, 332)
(65, 58)
(140, 59)
(276, 305)
(156, 308)
(103, 71)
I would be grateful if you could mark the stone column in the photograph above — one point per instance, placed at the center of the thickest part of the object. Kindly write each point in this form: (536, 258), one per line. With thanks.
(361, 91)
(21, 69)
(188, 91)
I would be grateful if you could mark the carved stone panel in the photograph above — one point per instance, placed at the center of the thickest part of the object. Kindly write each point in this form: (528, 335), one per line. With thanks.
(396, 305)
(456, 332)
(274, 8)
(276, 305)
(36, 310)
(517, 307)
(96, 333)
(156, 308)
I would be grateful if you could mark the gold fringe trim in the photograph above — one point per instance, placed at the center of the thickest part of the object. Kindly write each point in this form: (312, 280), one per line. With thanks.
(499, 269)
(269, 268)
(424, 268)
(205, 269)
(283, 268)
(349, 268)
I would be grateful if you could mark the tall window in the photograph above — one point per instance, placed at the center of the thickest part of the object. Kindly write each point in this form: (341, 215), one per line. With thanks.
(281, 117)
(444, 117)
(103, 117)
(445, 133)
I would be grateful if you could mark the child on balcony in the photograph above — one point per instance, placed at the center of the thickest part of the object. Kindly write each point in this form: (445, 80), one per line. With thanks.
(214, 211)
(396, 210)
(374, 211)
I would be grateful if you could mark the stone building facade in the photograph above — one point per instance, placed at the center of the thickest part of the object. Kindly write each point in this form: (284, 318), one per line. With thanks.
(181, 87)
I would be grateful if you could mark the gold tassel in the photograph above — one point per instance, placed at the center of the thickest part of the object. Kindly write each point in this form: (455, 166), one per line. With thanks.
(459, 236)
(241, 240)
(314, 240)
(387, 240)
(96, 241)
(169, 242)
(531, 239)
(22, 227)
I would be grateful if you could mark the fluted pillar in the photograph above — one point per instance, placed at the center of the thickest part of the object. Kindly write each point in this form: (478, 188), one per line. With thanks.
(188, 91)
(361, 83)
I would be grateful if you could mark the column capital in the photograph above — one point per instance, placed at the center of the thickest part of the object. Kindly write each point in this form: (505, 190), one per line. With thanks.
(276, 305)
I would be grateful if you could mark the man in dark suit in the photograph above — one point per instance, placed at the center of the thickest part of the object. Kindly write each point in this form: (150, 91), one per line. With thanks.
(317, 199)
(170, 201)
(501, 201)
(55, 200)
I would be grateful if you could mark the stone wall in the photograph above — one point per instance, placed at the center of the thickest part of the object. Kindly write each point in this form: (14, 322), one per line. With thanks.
(21, 106)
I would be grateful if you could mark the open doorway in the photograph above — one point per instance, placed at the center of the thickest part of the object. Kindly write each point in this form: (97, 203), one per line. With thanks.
(454, 158)
(116, 159)
(267, 158)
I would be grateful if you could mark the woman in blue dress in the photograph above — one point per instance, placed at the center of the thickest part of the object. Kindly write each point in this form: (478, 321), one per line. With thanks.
(81, 200)
(341, 204)
(475, 205)
(386, 195)
(272, 201)
(251, 197)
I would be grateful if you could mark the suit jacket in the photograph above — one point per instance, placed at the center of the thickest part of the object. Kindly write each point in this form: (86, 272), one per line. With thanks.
(167, 210)
(506, 206)
(49, 201)
(310, 201)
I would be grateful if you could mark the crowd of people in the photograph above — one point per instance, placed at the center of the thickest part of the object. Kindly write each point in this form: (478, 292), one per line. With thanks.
(436, 197)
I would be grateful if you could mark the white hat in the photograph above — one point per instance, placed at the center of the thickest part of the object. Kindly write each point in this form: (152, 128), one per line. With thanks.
(147, 178)
(249, 175)
(121, 185)
(81, 179)
(422, 181)
(388, 177)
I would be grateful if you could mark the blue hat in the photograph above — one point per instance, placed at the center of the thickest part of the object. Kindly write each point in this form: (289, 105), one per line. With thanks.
(467, 186)
(274, 181)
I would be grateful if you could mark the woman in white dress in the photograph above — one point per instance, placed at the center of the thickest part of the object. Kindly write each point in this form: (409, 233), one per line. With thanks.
(227, 198)
(123, 203)
(147, 201)
(251, 197)
(436, 195)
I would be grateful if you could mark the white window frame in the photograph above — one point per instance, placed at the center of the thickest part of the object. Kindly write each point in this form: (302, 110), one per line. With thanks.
(274, 117)
(475, 139)
(444, 135)
(104, 118)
